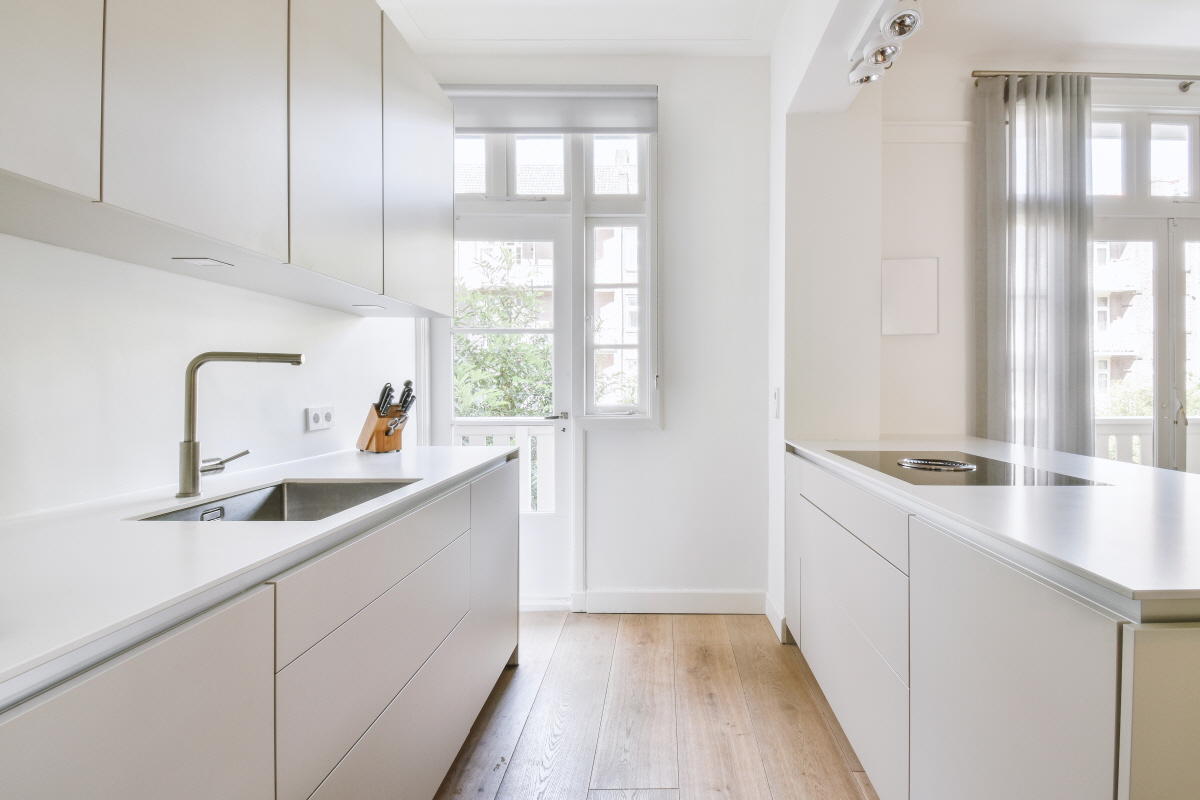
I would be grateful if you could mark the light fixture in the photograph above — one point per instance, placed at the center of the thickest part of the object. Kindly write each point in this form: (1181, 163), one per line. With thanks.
(200, 261)
(881, 51)
(901, 20)
(864, 73)
(878, 44)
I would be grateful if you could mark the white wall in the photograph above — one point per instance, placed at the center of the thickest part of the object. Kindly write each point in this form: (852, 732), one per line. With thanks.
(678, 516)
(834, 212)
(91, 384)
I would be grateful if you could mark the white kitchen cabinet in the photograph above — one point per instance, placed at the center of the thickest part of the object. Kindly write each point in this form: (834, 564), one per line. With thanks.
(196, 117)
(188, 714)
(1014, 680)
(418, 180)
(327, 698)
(51, 57)
(853, 616)
(1160, 712)
(336, 133)
(494, 568)
(792, 544)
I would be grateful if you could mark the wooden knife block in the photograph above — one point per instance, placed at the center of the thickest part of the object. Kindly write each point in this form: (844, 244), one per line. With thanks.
(374, 438)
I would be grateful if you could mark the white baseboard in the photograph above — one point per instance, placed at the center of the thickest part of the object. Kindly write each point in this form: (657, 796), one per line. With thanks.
(656, 601)
(545, 603)
(775, 617)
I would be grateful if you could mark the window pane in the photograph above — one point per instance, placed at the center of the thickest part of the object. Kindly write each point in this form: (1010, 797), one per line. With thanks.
(616, 256)
(1123, 343)
(504, 284)
(616, 377)
(539, 167)
(1169, 149)
(615, 164)
(1191, 263)
(503, 374)
(615, 316)
(470, 165)
(1107, 158)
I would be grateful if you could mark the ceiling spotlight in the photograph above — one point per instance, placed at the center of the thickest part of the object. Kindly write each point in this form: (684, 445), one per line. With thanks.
(881, 51)
(864, 73)
(901, 20)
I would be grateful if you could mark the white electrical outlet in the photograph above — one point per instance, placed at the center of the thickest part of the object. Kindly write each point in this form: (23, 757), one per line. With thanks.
(318, 418)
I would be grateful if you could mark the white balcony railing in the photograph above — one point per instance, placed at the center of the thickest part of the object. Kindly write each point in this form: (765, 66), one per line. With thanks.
(537, 456)
(1131, 439)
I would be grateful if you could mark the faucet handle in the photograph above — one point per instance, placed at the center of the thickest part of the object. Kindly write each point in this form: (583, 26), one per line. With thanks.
(215, 465)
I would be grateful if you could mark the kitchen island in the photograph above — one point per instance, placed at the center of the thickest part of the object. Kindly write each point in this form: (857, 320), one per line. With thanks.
(259, 659)
(1001, 641)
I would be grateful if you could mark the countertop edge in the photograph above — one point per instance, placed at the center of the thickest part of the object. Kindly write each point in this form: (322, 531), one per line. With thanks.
(24, 681)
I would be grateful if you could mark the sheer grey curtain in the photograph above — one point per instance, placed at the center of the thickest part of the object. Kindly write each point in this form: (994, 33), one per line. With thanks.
(1033, 279)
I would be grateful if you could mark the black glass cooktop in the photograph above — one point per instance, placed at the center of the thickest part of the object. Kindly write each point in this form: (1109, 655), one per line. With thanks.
(986, 472)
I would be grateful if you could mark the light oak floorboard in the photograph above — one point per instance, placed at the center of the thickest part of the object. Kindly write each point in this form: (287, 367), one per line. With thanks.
(637, 734)
(864, 784)
(801, 757)
(718, 755)
(484, 756)
(830, 718)
(688, 630)
(553, 758)
(633, 794)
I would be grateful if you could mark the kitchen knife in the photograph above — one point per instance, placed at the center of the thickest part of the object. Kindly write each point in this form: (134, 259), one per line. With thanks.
(407, 393)
(412, 398)
(387, 404)
(387, 388)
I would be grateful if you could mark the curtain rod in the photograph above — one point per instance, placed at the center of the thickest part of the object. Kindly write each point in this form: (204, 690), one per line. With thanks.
(991, 73)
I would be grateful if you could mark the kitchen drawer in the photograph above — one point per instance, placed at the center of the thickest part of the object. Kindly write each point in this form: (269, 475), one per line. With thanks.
(866, 695)
(872, 592)
(408, 750)
(881, 525)
(329, 696)
(319, 595)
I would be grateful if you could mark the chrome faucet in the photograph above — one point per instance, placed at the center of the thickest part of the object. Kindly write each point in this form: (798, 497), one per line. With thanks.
(190, 467)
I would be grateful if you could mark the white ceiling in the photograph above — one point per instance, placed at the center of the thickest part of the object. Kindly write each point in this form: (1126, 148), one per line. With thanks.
(685, 27)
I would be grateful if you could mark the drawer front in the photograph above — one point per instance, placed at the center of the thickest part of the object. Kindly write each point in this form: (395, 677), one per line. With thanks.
(868, 698)
(319, 595)
(330, 695)
(872, 592)
(408, 750)
(881, 525)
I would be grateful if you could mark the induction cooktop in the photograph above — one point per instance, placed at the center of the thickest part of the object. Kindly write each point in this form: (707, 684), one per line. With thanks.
(954, 468)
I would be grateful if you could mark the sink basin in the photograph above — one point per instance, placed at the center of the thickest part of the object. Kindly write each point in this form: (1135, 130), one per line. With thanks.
(286, 501)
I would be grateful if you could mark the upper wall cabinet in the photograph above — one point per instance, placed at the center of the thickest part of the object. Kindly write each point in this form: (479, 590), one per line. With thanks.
(196, 118)
(337, 140)
(51, 54)
(418, 180)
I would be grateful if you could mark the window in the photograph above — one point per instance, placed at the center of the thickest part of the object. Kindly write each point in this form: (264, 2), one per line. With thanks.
(1108, 158)
(1169, 160)
(470, 165)
(1102, 376)
(615, 165)
(539, 165)
(1102, 313)
(614, 282)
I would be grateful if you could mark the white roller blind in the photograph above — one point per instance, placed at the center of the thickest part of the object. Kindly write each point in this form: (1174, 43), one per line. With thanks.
(558, 109)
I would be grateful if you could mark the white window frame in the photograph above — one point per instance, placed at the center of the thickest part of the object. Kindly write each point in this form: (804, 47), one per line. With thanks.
(1135, 169)
(585, 210)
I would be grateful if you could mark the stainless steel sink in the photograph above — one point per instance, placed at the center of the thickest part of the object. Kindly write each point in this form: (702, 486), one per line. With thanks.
(290, 501)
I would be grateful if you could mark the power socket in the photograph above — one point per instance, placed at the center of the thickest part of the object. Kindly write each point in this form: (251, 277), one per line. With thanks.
(318, 418)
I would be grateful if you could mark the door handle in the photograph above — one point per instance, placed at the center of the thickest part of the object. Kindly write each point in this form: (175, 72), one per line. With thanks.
(560, 415)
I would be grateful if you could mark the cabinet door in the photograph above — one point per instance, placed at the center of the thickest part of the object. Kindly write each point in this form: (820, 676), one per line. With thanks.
(418, 180)
(494, 566)
(51, 54)
(188, 714)
(337, 139)
(195, 117)
(1014, 682)
(793, 533)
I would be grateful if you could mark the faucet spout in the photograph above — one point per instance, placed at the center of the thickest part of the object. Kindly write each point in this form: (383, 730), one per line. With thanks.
(189, 448)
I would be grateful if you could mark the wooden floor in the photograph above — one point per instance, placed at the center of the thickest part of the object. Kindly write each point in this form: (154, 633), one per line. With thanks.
(655, 707)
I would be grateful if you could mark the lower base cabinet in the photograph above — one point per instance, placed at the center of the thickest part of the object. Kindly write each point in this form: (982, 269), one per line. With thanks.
(1014, 681)
(188, 714)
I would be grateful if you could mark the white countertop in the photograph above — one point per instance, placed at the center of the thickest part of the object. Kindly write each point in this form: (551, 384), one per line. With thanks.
(1139, 537)
(73, 578)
